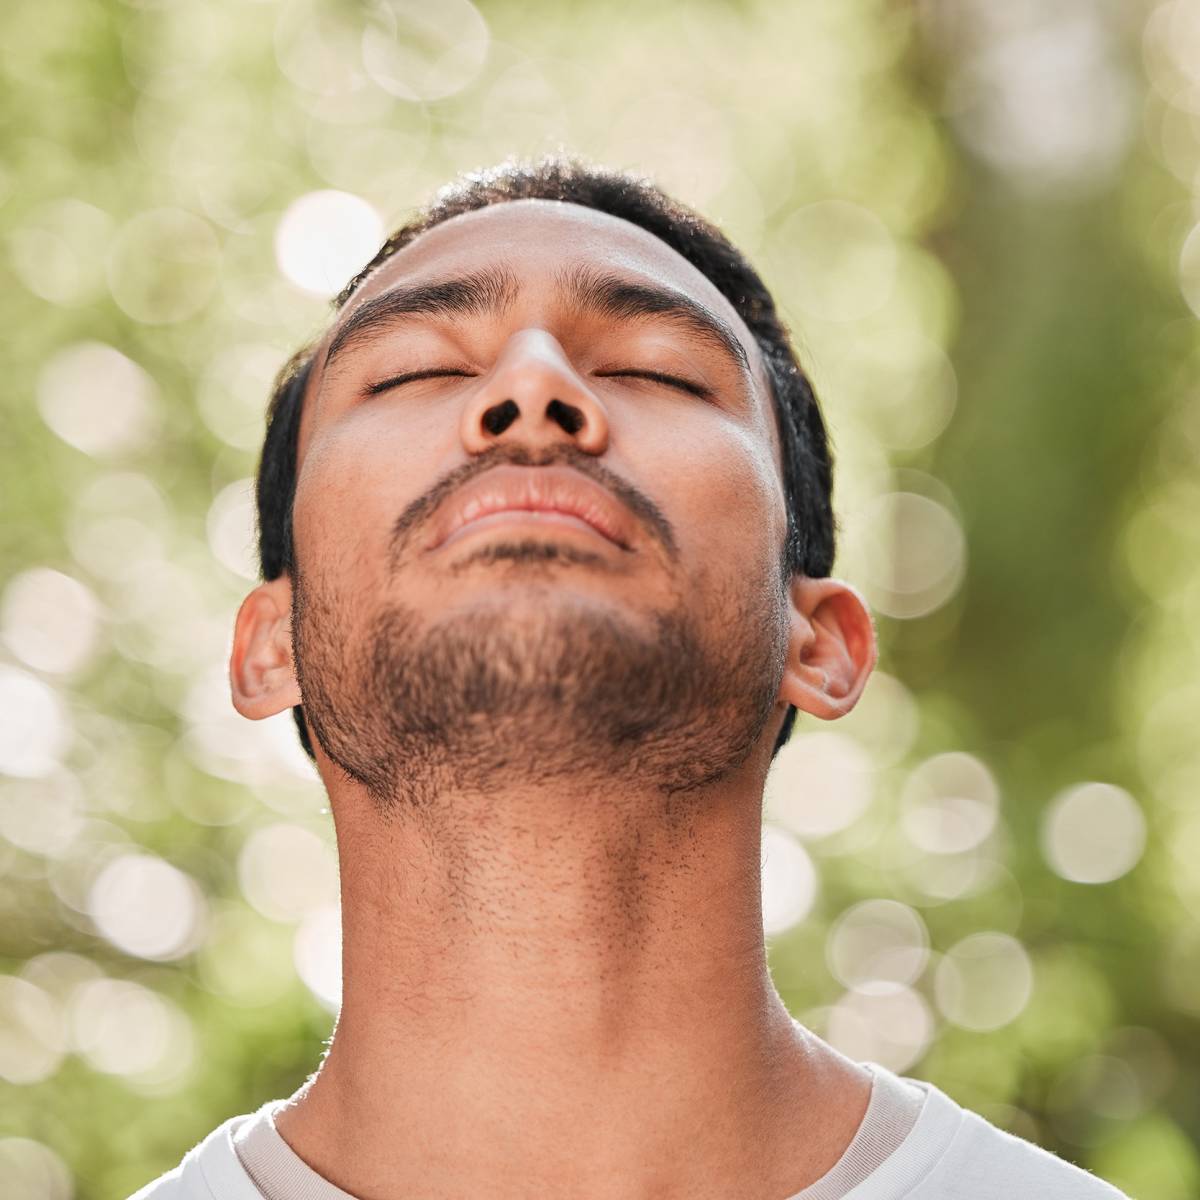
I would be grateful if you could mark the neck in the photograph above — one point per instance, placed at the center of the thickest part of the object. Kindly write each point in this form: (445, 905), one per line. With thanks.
(542, 987)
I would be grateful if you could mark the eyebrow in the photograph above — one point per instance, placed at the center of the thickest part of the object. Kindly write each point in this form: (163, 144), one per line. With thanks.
(610, 295)
(490, 291)
(493, 291)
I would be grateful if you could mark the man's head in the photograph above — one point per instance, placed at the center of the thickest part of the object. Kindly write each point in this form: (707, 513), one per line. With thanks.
(569, 340)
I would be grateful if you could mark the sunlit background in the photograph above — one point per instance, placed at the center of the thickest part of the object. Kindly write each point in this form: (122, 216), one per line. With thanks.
(980, 219)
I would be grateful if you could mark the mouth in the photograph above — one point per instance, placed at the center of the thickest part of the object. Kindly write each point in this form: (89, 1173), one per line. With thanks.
(552, 500)
(548, 521)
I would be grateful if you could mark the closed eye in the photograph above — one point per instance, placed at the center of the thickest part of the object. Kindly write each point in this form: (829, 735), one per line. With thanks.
(413, 376)
(675, 381)
(685, 385)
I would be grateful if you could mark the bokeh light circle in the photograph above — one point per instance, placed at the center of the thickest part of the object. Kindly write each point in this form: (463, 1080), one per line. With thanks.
(98, 400)
(317, 953)
(60, 972)
(58, 251)
(317, 48)
(35, 728)
(789, 880)
(231, 393)
(46, 815)
(891, 1026)
(1093, 833)
(146, 907)
(420, 51)
(232, 530)
(885, 720)
(49, 620)
(819, 784)
(984, 981)
(123, 1028)
(1171, 50)
(33, 1036)
(1189, 270)
(286, 871)
(324, 238)
(877, 942)
(917, 555)
(1046, 98)
(949, 804)
(117, 523)
(32, 1171)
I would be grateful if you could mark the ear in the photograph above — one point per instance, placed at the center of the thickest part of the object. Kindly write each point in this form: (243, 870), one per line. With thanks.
(831, 647)
(262, 677)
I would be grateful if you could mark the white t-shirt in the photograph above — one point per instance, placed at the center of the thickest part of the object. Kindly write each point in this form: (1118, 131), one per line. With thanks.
(914, 1143)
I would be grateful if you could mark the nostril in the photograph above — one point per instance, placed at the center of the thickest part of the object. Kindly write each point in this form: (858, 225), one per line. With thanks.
(500, 416)
(567, 415)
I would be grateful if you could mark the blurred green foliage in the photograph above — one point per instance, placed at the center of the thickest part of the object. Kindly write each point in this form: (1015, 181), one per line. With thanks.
(980, 220)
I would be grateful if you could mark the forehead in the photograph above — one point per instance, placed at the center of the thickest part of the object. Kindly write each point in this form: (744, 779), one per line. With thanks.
(534, 240)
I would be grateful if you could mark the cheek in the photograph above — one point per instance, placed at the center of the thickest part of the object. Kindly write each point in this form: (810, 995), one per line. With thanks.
(724, 494)
(355, 480)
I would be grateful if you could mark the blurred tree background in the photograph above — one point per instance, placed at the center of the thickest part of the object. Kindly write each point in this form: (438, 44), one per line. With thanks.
(981, 221)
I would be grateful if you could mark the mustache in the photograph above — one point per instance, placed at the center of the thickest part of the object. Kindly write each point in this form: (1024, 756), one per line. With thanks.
(423, 507)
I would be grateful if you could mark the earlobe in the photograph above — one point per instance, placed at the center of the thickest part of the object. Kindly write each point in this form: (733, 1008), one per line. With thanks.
(262, 677)
(832, 647)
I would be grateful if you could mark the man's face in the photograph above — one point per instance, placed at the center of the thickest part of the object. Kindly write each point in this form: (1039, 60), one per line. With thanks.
(538, 517)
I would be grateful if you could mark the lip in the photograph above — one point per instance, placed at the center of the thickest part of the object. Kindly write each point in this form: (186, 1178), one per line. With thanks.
(557, 496)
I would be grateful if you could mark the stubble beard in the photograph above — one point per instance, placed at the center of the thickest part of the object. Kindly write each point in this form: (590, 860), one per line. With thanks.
(542, 693)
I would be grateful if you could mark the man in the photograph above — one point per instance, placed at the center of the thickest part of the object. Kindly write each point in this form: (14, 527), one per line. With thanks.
(546, 539)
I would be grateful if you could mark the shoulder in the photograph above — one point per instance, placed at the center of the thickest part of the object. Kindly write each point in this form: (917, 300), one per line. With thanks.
(984, 1162)
(166, 1187)
(210, 1170)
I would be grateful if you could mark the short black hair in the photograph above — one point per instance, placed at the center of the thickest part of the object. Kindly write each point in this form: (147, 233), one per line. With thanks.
(807, 456)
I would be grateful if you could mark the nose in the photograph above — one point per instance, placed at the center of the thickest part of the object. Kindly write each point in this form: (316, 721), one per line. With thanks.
(534, 396)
